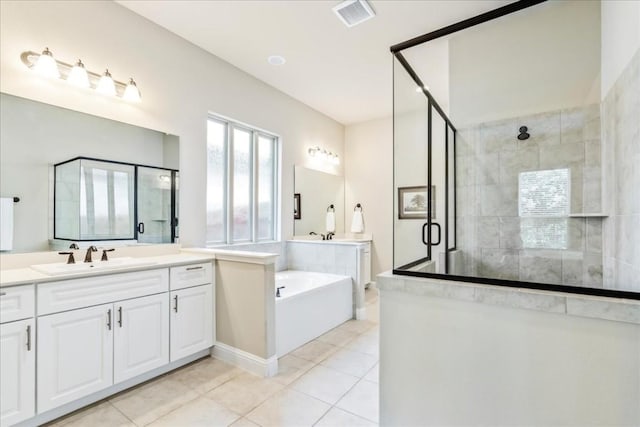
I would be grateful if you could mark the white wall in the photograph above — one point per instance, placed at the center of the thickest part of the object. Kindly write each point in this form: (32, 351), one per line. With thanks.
(448, 362)
(180, 84)
(369, 181)
(620, 38)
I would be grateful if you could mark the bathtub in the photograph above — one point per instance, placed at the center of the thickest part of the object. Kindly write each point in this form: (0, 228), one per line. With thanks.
(310, 305)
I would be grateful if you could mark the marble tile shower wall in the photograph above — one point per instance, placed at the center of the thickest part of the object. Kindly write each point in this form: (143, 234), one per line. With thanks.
(489, 160)
(621, 140)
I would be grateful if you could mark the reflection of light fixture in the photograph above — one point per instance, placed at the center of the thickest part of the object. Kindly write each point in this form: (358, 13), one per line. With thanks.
(47, 66)
(78, 75)
(164, 178)
(131, 92)
(324, 155)
(106, 85)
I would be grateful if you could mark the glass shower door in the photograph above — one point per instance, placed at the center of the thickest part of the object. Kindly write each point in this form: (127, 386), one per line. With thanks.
(155, 205)
(424, 178)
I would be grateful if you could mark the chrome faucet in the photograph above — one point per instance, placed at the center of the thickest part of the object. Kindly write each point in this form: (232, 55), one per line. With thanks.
(87, 257)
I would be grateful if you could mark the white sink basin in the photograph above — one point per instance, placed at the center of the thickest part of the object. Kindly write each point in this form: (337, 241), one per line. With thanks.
(59, 268)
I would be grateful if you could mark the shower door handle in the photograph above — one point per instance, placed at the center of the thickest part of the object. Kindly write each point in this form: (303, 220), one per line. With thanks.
(424, 227)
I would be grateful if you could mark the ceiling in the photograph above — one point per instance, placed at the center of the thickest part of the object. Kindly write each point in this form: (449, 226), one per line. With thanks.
(345, 73)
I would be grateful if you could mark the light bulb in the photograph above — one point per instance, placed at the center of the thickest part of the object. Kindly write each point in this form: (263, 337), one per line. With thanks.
(106, 86)
(78, 75)
(131, 92)
(46, 65)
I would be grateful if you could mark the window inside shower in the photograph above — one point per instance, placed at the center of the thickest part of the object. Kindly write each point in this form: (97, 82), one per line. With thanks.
(499, 130)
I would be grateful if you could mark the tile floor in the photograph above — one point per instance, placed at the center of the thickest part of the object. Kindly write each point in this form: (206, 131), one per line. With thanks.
(331, 381)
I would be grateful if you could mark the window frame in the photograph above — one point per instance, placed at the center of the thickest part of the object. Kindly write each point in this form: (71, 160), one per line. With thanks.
(255, 133)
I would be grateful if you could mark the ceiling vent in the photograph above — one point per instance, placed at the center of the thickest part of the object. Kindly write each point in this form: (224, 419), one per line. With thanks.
(354, 12)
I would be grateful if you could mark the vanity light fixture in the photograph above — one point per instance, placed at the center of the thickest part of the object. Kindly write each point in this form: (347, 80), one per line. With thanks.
(106, 85)
(324, 155)
(46, 65)
(77, 75)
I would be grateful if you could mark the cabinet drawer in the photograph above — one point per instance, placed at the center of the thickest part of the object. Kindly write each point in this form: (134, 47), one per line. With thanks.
(191, 275)
(16, 303)
(78, 293)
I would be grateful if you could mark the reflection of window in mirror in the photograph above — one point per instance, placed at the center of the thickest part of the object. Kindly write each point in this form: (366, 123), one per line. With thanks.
(543, 207)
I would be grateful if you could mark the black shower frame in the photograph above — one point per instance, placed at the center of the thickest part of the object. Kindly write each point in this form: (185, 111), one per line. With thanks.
(396, 52)
(173, 220)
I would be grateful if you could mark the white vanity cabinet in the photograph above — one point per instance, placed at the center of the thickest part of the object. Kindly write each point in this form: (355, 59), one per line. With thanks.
(83, 349)
(17, 371)
(75, 355)
(141, 336)
(191, 320)
(17, 354)
(363, 261)
(192, 302)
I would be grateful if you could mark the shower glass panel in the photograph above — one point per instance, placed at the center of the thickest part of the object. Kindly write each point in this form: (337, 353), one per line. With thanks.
(94, 200)
(106, 200)
(411, 173)
(155, 213)
(504, 170)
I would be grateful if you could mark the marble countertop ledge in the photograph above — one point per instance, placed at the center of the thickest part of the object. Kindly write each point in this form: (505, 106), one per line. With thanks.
(614, 309)
(236, 256)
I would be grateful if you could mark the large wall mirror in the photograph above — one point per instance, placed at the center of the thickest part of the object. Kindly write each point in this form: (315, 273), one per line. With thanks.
(314, 194)
(508, 122)
(101, 189)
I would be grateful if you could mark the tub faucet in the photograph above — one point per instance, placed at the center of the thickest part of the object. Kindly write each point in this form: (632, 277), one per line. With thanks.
(74, 245)
(313, 233)
(323, 236)
(87, 257)
(330, 235)
(278, 291)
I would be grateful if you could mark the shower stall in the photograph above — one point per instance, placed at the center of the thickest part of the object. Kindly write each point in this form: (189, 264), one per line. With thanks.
(509, 167)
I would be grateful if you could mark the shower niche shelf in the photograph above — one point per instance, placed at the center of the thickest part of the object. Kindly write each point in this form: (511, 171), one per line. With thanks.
(588, 215)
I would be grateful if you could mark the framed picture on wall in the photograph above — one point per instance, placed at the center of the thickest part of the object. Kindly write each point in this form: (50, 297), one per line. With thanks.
(297, 205)
(412, 202)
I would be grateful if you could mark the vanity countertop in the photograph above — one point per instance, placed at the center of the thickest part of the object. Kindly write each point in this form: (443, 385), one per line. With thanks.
(27, 275)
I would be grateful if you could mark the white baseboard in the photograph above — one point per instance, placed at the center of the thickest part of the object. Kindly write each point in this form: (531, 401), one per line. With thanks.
(247, 361)
(361, 313)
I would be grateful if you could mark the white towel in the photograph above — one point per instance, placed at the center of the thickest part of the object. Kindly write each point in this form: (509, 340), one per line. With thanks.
(6, 223)
(331, 222)
(357, 223)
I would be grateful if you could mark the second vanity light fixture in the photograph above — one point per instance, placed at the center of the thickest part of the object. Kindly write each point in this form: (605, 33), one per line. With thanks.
(77, 75)
(325, 155)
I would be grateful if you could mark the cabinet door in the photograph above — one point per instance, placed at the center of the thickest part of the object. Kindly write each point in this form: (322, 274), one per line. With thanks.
(191, 320)
(141, 340)
(17, 371)
(75, 351)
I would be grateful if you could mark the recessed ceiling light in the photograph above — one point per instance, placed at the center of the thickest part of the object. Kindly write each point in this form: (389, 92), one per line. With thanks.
(276, 60)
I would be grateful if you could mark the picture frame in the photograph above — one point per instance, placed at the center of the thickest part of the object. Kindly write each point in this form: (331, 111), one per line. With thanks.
(297, 206)
(412, 202)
